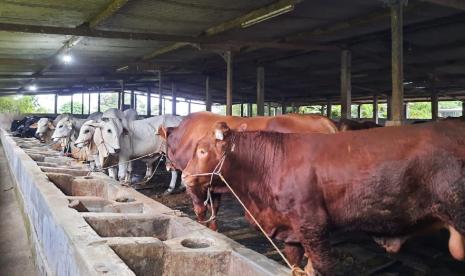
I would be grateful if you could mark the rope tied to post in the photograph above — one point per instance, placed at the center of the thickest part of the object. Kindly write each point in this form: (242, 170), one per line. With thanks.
(295, 270)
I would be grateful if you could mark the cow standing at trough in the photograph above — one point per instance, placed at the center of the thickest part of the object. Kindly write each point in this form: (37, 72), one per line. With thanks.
(181, 143)
(139, 139)
(346, 125)
(389, 182)
(90, 138)
(46, 126)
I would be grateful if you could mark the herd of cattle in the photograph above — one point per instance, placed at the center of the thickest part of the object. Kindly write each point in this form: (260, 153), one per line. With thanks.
(300, 176)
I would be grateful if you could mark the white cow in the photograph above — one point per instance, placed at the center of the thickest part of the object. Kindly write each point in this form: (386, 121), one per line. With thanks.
(68, 127)
(137, 140)
(45, 127)
(90, 142)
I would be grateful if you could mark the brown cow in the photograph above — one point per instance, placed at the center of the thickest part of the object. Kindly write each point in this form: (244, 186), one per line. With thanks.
(181, 143)
(346, 124)
(388, 182)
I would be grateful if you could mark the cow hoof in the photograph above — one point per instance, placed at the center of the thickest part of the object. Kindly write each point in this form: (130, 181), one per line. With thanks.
(167, 192)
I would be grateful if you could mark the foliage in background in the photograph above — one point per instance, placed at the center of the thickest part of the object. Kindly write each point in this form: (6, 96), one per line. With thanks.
(19, 104)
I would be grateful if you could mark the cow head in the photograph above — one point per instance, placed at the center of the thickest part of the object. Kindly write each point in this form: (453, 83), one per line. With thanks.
(110, 132)
(207, 155)
(63, 129)
(164, 134)
(86, 134)
(43, 125)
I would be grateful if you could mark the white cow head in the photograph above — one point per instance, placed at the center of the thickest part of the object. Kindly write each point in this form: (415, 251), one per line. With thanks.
(64, 129)
(111, 131)
(43, 125)
(86, 134)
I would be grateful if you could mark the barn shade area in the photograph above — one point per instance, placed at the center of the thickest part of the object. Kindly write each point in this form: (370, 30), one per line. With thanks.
(98, 97)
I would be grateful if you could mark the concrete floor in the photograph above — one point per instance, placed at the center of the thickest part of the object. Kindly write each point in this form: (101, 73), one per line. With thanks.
(15, 252)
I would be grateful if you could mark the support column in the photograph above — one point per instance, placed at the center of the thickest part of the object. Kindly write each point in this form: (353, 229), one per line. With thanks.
(346, 86)
(375, 108)
(229, 84)
(249, 110)
(55, 107)
(82, 103)
(122, 96)
(269, 109)
(98, 100)
(173, 98)
(283, 107)
(389, 108)
(189, 107)
(72, 103)
(160, 94)
(434, 106)
(397, 64)
(463, 108)
(208, 97)
(328, 109)
(149, 102)
(242, 109)
(260, 91)
(88, 103)
(133, 100)
(359, 111)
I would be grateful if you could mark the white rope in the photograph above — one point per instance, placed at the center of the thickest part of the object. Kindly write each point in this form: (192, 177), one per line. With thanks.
(217, 171)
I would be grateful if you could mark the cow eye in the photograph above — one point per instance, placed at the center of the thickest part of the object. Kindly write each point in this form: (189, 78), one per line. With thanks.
(109, 130)
(60, 126)
(87, 131)
(202, 151)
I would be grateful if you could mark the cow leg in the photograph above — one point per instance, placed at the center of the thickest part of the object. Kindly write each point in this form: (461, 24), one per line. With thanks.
(128, 178)
(122, 170)
(216, 199)
(314, 237)
(174, 177)
(113, 172)
(294, 253)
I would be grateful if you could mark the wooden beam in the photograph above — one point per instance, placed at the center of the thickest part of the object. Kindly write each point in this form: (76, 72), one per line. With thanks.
(236, 22)
(208, 97)
(346, 86)
(229, 83)
(164, 50)
(85, 31)
(397, 99)
(455, 4)
(260, 91)
(160, 93)
(109, 11)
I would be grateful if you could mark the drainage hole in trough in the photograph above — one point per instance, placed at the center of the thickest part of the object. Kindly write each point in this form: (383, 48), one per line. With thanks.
(88, 177)
(196, 243)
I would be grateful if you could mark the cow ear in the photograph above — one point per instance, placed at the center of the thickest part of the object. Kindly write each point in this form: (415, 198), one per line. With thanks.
(162, 132)
(50, 125)
(96, 124)
(221, 131)
(242, 127)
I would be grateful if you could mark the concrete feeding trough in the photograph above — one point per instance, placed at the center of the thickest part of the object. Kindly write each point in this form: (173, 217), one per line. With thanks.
(100, 227)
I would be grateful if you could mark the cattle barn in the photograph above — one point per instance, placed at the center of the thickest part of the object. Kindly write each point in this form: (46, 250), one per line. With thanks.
(98, 97)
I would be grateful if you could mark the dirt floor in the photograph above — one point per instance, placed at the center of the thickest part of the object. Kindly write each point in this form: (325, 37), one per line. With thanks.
(356, 253)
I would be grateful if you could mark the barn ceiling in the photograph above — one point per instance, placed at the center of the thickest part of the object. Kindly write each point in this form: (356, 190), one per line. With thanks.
(121, 40)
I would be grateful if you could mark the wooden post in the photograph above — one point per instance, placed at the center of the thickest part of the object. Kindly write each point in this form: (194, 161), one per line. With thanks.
(72, 103)
(260, 91)
(208, 98)
(346, 85)
(98, 100)
(397, 64)
(82, 103)
(122, 96)
(434, 106)
(160, 94)
(328, 109)
(375, 108)
(133, 100)
(229, 84)
(249, 110)
(55, 108)
(149, 102)
(463, 108)
(173, 98)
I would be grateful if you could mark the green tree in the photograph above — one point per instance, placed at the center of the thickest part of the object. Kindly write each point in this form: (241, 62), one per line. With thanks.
(18, 104)
(108, 100)
(66, 108)
(419, 110)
